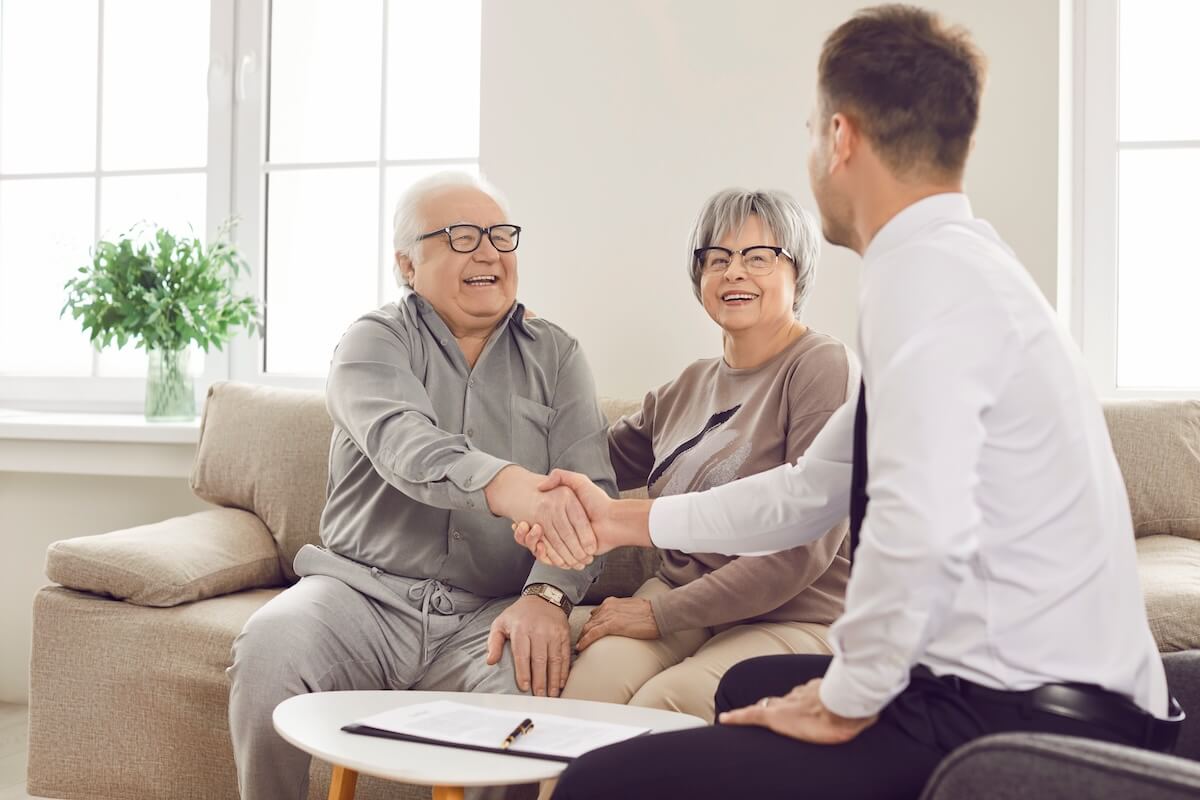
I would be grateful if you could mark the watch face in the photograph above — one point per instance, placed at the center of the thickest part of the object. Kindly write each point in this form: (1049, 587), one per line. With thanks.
(552, 594)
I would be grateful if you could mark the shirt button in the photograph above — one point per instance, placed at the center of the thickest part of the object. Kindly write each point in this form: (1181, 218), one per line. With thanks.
(442, 342)
(457, 535)
(468, 481)
(471, 382)
(470, 431)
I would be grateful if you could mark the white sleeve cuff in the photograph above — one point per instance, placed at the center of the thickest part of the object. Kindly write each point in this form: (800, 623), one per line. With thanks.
(842, 697)
(669, 522)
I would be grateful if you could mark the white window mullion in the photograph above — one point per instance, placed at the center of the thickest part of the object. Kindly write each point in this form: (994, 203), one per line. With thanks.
(1097, 201)
(381, 212)
(99, 147)
(250, 72)
(219, 173)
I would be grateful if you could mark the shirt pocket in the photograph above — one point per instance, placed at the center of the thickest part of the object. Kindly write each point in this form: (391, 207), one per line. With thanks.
(531, 434)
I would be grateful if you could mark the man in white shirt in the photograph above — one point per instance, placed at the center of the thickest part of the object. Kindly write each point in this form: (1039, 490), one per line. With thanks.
(994, 585)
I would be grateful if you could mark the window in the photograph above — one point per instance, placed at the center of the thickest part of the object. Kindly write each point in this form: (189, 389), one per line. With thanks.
(305, 120)
(1140, 136)
(91, 142)
(364, 99)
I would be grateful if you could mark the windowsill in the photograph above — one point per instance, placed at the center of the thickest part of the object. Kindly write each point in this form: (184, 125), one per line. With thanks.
(95, 444)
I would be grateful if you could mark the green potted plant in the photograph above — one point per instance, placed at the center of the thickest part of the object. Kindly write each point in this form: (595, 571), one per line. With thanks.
(164, 293)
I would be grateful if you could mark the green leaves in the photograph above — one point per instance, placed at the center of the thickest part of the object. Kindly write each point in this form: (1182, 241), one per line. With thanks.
(163, 291)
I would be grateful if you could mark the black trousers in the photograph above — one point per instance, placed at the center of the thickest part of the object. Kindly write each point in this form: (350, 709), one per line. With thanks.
(891, 759)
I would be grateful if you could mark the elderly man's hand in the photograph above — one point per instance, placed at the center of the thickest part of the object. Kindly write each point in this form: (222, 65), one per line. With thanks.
(800, 715)
(619, 616)
(540, 639)
(550, 548)
(522, 495)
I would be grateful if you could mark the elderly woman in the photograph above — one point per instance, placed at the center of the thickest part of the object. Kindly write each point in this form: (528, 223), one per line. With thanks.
(751, 261)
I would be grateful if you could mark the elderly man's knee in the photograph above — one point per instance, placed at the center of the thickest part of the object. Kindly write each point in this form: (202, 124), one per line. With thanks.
(266, 645)
(281, 636)
(498, 679)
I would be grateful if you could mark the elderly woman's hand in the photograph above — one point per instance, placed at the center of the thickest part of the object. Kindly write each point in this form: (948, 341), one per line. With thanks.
(619, 616)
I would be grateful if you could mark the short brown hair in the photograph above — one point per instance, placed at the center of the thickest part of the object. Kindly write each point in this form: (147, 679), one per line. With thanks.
(910, 82)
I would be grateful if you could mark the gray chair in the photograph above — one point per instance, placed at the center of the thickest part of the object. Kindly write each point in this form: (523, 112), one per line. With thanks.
(1018, 766)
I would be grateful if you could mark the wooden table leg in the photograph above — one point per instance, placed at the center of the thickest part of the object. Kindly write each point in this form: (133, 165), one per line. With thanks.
(447, 793)
(342, 784)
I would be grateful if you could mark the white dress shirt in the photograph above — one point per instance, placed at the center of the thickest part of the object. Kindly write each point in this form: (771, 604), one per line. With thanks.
(997, 545)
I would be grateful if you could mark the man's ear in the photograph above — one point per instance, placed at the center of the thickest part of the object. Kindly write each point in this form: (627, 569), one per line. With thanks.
(843, 135)
(405, 265)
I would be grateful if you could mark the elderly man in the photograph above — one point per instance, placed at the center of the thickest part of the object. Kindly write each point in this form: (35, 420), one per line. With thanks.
(449, 408)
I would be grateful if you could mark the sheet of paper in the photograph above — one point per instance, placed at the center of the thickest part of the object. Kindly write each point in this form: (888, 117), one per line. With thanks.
(459, 723)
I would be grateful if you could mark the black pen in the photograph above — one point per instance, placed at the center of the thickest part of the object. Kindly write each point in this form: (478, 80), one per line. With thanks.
(524, 727)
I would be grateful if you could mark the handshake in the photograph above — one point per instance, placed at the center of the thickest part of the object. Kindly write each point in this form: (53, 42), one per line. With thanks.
(564, 519)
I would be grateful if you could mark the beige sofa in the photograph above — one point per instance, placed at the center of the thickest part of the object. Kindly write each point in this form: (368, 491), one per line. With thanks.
(128, 688)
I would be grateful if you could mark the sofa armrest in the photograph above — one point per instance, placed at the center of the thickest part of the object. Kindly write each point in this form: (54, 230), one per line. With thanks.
(1051, 767)
(176, 561)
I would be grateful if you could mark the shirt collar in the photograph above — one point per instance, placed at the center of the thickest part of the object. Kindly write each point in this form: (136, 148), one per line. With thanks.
(903, 226)
(515, 316)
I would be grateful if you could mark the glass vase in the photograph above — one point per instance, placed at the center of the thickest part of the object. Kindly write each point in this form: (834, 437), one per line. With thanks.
(170, 390)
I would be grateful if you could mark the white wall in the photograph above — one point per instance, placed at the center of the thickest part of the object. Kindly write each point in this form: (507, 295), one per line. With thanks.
(608, 123)
(36, 510)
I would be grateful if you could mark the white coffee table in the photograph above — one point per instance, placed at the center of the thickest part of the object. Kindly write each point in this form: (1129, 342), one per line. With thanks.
(313, 723)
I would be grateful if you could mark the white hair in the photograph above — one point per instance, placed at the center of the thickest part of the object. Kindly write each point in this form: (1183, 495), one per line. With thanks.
(407, 222)
(794, 228)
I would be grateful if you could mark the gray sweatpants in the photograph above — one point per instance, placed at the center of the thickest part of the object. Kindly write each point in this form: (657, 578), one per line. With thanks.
(346, 626)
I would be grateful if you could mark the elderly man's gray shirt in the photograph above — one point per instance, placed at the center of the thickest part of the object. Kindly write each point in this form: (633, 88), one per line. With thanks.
(418, 434)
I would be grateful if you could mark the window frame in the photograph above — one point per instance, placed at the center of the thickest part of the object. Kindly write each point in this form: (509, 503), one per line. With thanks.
(1089, 164)
(236, 173)
(247, 353)
(115, 394)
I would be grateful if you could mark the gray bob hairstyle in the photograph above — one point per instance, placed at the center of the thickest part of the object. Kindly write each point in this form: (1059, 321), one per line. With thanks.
(794, 228)
(407, 222)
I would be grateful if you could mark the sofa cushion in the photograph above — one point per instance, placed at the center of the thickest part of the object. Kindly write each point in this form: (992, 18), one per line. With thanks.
(111, 682)
(1169, 567)
(613, 409)
(266, 450)
(128, 702)
(180, 560)
(1157, 443)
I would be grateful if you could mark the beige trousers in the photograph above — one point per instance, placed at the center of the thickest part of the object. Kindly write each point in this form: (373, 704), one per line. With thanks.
(680, 671)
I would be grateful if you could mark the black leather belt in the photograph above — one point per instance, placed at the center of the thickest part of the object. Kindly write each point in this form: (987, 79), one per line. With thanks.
(1087, 703)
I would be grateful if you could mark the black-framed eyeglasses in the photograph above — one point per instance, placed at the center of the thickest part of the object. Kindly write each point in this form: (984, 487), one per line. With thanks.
(466, 238)
(759, 259)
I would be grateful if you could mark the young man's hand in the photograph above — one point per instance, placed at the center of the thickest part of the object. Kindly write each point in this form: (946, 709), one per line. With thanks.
(522, 495)
(550, 548)
(801, 715)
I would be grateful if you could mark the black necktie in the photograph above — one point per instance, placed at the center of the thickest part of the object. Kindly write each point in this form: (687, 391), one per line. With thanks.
(858, 471)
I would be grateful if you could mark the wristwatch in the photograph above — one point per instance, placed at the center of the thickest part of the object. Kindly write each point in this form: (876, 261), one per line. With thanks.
(551, 594)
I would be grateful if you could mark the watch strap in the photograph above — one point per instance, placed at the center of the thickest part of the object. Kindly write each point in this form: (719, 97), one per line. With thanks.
(539, 590)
